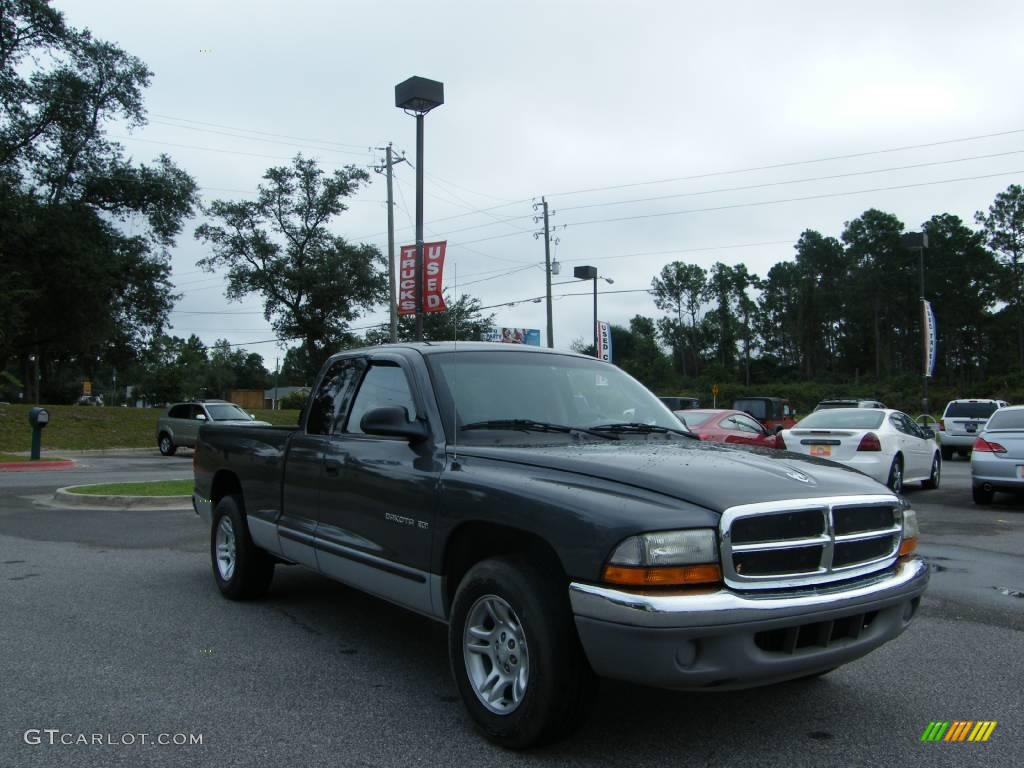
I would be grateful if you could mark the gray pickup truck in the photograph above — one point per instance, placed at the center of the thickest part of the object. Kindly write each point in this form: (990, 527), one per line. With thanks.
(555, 516)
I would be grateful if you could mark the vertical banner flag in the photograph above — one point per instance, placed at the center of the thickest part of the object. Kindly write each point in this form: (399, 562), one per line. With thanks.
(930, 339)
(604, 341)
(433, 274)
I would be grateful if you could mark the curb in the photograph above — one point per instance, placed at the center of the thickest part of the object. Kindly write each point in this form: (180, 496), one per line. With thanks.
(85, 501)
(33, 466)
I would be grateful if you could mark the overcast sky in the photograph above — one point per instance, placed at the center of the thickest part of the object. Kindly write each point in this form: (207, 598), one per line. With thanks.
(551, 98)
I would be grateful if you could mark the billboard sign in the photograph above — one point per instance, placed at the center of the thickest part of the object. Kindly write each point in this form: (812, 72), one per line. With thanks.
(527, 336)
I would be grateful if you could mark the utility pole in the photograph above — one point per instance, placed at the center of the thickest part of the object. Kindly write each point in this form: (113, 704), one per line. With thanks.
(545, 216)
(389, 164)
(277, 378)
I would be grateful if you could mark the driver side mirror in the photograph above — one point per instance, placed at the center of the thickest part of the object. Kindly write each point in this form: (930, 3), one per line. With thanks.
(778, 429)
(928, 432)
(393, 421)
(200, 417)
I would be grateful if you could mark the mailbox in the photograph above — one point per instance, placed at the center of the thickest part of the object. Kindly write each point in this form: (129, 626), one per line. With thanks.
(38, 418)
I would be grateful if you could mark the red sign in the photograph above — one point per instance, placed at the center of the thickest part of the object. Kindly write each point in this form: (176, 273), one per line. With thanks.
(433, 273)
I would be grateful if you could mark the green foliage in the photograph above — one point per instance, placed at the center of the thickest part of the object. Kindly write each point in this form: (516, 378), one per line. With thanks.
(294, 401)
(1003, 228)
(313, 282)
(463, 320)
(75, 287)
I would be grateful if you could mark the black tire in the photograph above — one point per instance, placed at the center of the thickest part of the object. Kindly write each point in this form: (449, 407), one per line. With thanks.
(981, 496)
(936, 474)
(947, 454)
(166, 446)
(559, 687)
(253, 569)
(895, 481)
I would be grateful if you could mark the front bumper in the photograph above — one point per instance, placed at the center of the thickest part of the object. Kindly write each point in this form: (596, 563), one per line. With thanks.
(203, 508)
(726, 640)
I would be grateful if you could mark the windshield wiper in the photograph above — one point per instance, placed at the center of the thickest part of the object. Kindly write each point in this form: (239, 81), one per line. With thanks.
(639, 428)
(529, 425)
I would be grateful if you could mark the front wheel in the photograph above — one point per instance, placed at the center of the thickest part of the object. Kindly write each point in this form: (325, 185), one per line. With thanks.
(515, 655)
(242, 570)
(895, 481)
(166, 445)
(936, 475)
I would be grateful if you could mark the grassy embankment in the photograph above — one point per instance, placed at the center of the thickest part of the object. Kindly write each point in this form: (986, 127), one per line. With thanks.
(79, 428)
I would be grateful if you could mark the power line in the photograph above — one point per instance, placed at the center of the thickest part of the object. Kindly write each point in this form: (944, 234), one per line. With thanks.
(262, 133)
(787, 200)
(793, 181)
(793, 163)
(255, 138)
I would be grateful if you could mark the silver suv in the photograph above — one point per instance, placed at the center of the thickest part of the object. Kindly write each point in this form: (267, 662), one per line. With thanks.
(180, 425)
(961, 423)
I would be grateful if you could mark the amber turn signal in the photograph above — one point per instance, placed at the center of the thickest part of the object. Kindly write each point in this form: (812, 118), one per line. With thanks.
(662, 576)
(907, 546)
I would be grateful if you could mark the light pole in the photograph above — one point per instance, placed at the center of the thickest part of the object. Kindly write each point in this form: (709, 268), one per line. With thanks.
(590, 273)
(918, 241)
(417, 96)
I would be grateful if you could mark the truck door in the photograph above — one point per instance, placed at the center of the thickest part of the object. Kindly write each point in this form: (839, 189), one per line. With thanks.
(303, 472)
(377, 496)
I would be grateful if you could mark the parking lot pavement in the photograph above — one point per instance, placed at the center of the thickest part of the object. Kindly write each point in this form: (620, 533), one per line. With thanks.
(112, 625)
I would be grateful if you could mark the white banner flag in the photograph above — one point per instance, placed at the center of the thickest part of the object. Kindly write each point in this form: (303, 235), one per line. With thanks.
(930, 338)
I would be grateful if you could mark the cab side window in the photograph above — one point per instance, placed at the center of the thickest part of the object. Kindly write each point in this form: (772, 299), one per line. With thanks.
(178, 412)
(384, 384)
(196, 411)
(328, 405)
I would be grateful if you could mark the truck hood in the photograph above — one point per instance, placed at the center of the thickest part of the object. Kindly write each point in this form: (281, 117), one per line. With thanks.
(711, 475)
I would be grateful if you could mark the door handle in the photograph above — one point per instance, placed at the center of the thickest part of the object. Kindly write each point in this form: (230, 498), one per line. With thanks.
(332, 466)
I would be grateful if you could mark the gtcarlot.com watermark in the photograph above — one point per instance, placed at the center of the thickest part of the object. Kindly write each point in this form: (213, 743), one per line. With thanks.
(57, 737)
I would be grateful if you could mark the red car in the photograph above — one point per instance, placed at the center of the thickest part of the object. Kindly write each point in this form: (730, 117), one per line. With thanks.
(728, 426)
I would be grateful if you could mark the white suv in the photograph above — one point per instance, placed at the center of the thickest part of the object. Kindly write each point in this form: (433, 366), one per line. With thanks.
(961, 423)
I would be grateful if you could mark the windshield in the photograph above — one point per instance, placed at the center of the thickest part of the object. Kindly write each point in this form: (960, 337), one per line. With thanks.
(1006, 420)
(754, 406)
(843, 418)
(970, 410)
(227, 413)
(555, 389)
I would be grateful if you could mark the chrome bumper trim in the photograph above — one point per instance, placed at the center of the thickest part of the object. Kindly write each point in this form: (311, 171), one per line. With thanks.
(723, 607)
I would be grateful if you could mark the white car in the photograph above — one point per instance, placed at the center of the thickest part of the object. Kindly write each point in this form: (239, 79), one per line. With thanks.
(880, 442)
(962, 421)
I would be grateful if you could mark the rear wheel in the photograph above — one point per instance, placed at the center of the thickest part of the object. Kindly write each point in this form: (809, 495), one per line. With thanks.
(947, 454)
(515, 655)
(242, 570)
(167, 447)
(981, 496)
(895, 481)
(936, 474)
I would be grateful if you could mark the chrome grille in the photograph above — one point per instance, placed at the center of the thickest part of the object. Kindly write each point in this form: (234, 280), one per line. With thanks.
(811, 541)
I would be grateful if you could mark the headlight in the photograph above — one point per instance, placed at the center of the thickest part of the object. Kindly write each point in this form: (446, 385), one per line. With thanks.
(664, 559)
(910, 532)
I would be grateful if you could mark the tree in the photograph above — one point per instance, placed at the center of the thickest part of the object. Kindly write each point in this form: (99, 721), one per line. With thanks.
(681, 290)
(635, 349)
(882, 289)
(77, 288)
(463, 320)
(1003, 227)
(721, 289)
(313, 283)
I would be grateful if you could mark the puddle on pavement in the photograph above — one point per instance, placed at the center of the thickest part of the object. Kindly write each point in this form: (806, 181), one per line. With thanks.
(1009, 592)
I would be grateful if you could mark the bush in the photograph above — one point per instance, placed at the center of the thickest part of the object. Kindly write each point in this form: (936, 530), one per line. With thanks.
(293, 401)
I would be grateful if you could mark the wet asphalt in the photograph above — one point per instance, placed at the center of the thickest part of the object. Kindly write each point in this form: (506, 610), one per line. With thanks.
(111, 627)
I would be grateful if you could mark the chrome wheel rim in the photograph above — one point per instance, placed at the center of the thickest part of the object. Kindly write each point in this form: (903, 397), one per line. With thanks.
(165, 444)
(226, 552)
(897, 477)
(496, 656)
(936, 472)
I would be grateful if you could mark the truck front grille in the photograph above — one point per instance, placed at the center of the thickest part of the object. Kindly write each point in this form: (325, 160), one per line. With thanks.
(793, 543)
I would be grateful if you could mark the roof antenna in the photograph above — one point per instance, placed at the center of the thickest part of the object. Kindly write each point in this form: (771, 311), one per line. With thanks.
(455, 372)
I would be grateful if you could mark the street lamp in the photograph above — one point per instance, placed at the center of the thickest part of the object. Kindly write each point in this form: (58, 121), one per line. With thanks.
(918, 241)
(590, 273)
(417, 96)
